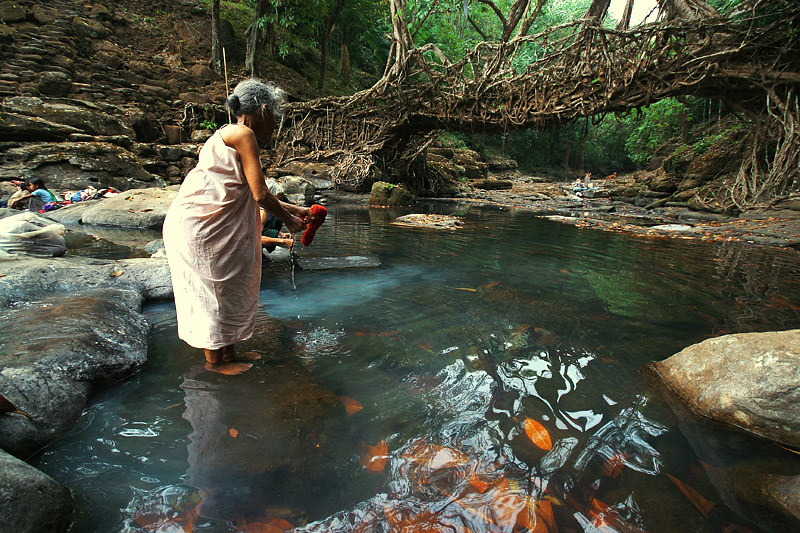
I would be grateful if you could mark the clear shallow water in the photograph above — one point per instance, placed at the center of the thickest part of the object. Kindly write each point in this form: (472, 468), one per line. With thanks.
(449, 347)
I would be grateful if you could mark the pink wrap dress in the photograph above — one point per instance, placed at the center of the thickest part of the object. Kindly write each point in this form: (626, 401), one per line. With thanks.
(212, 240)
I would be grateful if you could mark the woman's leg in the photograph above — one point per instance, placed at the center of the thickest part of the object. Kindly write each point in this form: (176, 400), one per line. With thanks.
(220, 360)
(229, 354)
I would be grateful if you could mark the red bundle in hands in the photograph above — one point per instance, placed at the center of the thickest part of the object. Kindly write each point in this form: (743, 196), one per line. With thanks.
(318, 214)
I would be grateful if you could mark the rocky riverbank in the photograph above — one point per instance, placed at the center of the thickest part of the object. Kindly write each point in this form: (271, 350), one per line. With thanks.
(93, 94)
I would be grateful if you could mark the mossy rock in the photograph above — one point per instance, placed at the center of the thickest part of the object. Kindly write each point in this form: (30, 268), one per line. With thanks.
(385, 194)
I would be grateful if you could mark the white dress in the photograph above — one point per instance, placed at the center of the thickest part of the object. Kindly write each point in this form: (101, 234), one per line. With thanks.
(212, 240)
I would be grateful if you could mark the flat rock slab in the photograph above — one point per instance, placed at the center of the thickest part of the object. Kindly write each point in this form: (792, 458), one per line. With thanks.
(747, 380)
(140, 208)
(675, 228)
(29, 278)
(429, 221)
(31, 500)
(55, 351)
(327, 263)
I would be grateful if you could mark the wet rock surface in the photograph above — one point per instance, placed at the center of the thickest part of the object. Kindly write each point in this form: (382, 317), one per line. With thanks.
(26, 279)
(31, 500)
(56, 350)
(746, 380)
(438, 222)
(742, 470)
(613, 207)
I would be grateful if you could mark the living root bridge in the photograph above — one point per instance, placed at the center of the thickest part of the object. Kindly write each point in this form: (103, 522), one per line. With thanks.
(750, 58)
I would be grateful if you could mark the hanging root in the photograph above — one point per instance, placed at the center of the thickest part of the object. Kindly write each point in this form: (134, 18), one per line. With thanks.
(770, 170)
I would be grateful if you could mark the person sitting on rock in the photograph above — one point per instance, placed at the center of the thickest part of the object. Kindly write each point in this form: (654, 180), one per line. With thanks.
(37, 195)
(578, 187)
(20, 198)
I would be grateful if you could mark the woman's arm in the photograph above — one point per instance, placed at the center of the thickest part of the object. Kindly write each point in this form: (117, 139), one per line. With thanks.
(243, 140)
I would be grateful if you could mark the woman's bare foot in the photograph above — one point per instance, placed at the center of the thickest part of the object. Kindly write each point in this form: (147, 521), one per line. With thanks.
(244, 356)
(228, 368)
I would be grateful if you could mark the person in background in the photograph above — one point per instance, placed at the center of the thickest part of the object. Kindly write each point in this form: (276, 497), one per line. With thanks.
(37, 194)
(212, 231)
(19, 200)
(271, 234)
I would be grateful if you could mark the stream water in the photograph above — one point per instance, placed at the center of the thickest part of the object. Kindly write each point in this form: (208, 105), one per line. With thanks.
(454, 346)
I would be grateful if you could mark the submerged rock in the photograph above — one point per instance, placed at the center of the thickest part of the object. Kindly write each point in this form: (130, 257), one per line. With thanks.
(753, 478)
(327, 263)
(55, 351)
(31, 500)
(746, 380)
(429, 221)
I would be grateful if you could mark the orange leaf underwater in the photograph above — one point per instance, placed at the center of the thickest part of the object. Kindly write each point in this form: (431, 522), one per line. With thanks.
(703, 505)
(351, 406)
(538, 434)
(7, 407)
(376, 456)
(233, 432)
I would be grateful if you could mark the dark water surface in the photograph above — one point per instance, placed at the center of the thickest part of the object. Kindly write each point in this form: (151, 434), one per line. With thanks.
(452, 347)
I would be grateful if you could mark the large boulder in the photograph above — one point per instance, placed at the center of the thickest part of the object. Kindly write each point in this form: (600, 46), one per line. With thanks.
(56, 350)
(75, 165)
(389, 195)
(31, 500)
(18, 127)
(140, 208)
(747, 472)
(746, 380)
(298, 190)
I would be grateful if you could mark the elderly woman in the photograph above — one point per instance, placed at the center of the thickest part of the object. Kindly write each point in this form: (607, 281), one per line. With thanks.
(212, 231)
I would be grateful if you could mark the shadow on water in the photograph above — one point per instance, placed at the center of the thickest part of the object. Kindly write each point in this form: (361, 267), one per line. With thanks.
(479, 380)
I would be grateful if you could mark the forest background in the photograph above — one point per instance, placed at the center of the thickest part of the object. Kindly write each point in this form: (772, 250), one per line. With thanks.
(341, 46)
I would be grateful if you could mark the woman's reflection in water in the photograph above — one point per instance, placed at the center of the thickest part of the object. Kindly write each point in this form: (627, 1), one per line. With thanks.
(262, 443)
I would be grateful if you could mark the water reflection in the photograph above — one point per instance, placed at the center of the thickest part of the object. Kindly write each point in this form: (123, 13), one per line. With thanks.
(482, 473)
(454, 351)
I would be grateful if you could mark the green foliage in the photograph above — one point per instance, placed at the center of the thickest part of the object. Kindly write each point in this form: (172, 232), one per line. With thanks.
(208, 125)
(457, 141)
(651, 129)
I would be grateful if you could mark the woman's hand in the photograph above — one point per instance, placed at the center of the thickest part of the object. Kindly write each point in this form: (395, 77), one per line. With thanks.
(294, 223)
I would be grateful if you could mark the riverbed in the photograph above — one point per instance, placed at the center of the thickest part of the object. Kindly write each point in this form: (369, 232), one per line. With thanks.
(478, 379)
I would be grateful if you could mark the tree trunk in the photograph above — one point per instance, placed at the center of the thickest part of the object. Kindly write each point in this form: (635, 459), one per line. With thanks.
(566, 156)
(687, 9)
(598, 9)
(254, 37)
(325, 39)
(216, 47)
(345, 61)
(625, 21)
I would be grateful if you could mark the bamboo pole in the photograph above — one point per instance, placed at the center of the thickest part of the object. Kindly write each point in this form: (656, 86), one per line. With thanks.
(227, 95)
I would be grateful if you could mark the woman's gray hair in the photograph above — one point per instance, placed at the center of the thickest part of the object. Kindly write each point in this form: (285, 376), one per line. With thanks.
(249, 95)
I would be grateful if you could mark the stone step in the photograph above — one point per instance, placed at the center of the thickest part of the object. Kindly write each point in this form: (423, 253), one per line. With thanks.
(22, 64)
(32, 49)
(36, 58)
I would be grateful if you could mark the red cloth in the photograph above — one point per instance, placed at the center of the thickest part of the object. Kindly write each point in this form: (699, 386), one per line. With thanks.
(318, 217)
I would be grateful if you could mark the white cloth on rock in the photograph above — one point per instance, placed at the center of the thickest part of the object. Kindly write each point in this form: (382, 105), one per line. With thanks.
(212, 239)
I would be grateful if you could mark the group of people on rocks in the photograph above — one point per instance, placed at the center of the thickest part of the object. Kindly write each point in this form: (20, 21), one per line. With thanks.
(34, 196)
